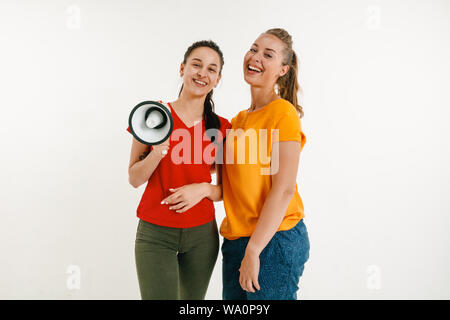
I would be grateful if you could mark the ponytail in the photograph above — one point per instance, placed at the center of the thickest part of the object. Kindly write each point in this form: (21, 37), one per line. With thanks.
(210, 117)
(288, 86)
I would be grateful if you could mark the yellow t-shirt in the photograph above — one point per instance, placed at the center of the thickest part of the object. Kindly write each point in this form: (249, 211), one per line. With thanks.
(246, 178)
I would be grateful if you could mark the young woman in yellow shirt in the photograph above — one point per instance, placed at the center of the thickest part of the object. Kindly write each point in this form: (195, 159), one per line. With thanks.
(266, 241)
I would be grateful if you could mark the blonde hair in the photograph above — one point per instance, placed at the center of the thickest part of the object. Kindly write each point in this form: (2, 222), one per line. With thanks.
(288, 86)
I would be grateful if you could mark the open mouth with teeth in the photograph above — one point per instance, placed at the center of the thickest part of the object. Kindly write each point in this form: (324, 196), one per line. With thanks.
(200, 83)
(253, 70)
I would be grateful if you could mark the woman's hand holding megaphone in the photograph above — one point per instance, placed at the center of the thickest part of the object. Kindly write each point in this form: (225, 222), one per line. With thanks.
(162, 149)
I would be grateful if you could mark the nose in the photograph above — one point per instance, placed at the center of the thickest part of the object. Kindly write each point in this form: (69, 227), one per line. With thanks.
(201, 72)
(255, 58)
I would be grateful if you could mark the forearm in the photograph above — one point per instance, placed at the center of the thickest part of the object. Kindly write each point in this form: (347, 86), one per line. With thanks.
(271, 216)
(142, 170)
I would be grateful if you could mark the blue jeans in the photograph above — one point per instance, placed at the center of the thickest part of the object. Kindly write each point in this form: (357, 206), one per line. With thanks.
(281, 264)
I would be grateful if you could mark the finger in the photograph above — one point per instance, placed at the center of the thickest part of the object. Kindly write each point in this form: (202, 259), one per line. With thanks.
(181, 210)
(184, 209)
(175, 198)
(166, 200)
(164, 151)
(244, 282)
(249, 285)
(256, 284)
(174, 189)
(243, 286)
(172, 199)
(177, 206)
(241, 281)
(161, 150)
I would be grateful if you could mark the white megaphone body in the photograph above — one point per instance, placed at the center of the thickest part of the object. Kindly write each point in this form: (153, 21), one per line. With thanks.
(150, 122)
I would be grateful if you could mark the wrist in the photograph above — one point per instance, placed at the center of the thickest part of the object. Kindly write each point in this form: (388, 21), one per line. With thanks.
(252, 250)
(206, 189)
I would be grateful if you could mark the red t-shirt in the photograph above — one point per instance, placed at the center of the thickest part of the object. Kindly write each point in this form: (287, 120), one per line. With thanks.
(176, 170)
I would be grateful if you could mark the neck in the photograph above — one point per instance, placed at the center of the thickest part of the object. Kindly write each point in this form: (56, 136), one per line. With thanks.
(262, 96)
(192, 105)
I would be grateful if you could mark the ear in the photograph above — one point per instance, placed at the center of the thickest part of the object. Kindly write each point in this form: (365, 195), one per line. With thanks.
(284, 70)
(181, 69)
(218, 79)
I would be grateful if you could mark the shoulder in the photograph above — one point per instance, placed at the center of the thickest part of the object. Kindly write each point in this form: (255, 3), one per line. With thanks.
(286, 115)
(240, 115)
(283, 107)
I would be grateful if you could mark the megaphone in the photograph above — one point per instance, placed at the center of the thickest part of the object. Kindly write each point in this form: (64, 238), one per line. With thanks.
(150, 122)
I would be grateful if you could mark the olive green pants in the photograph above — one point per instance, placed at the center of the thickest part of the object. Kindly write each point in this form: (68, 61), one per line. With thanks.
(175, 263)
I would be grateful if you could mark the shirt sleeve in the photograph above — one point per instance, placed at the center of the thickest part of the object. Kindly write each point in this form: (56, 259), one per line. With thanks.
(128, 129)
(290, 129)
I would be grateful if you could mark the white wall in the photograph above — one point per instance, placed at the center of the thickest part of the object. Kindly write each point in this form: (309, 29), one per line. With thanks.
(374, 174)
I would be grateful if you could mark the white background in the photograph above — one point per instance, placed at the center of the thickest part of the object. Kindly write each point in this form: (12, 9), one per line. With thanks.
(373, 175)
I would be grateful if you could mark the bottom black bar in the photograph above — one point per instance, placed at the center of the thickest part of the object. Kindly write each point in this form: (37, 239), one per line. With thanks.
(219, 309)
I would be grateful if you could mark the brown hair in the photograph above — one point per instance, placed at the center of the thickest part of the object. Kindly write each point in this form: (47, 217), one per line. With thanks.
(288, 86)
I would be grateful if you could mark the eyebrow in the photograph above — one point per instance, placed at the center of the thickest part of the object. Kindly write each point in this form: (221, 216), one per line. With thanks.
(266, 48)
(211, 64)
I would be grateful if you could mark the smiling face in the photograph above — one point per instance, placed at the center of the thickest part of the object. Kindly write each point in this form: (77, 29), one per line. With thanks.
(201, 71)
(263, 63)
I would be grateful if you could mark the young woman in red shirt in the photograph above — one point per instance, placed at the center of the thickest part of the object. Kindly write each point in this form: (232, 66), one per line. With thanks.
(177, 239)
